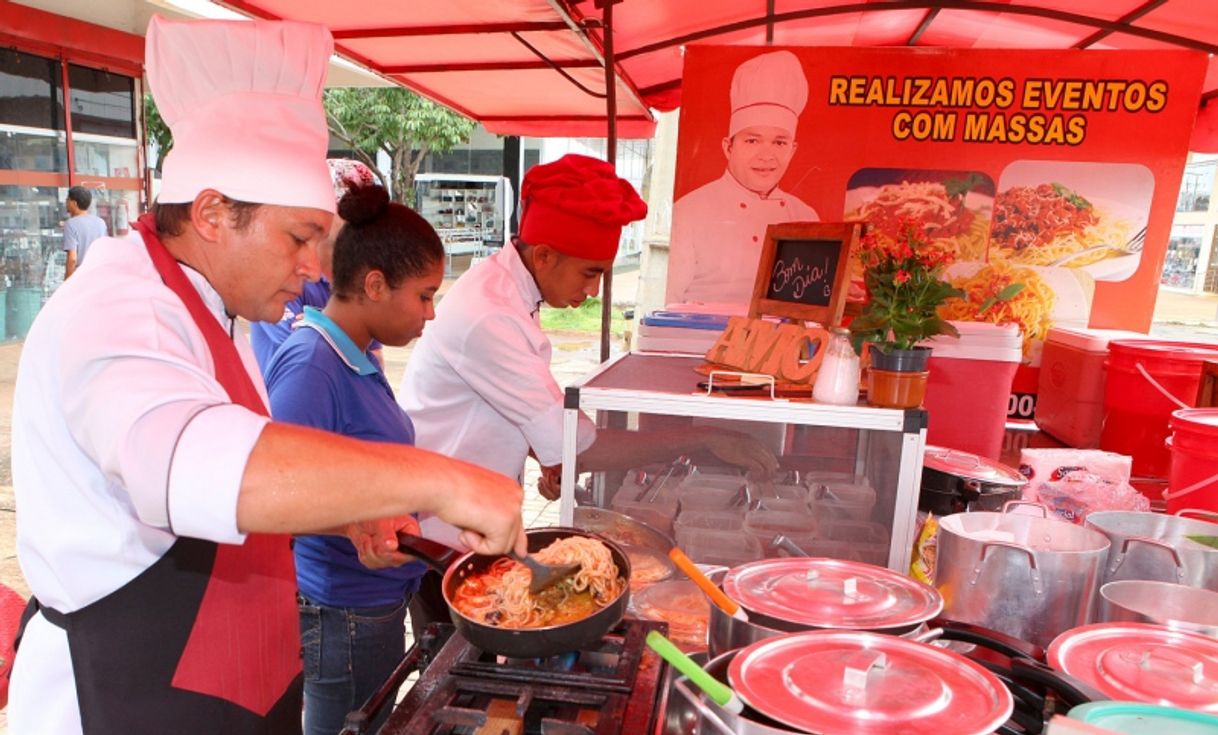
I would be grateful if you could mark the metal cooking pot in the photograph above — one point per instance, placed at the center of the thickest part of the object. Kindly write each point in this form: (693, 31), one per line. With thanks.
(792, 595)
(885, 683)
(1030, 578)
(1153, 546)
(955, 482)
(520, 642)
(1176, 606)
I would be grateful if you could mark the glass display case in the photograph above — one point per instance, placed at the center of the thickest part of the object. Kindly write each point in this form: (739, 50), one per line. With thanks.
(468, 211)
(847, 485)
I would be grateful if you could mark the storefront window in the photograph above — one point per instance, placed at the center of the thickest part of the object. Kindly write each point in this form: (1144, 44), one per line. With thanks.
(1180, 268)
(1211, 274)
(102, 103)
(1197, 186)
(31, 113)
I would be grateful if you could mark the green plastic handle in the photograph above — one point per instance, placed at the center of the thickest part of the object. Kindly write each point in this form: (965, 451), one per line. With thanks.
(714, 689)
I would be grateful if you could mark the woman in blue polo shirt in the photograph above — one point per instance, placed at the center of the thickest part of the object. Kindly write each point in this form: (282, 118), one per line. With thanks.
(388, 264)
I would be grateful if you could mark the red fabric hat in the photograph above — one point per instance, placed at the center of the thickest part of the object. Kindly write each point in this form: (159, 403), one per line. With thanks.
(577, 205)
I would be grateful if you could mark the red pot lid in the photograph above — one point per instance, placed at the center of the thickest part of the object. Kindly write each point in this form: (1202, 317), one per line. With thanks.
(1142, 662)
(972, 467)
(868, 683)
(832, 593)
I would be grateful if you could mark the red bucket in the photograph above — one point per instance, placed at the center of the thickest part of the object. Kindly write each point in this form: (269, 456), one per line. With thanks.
(1147, 381)
(1194, 460)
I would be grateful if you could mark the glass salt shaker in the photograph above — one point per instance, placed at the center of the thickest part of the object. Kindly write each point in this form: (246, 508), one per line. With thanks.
(837, 382)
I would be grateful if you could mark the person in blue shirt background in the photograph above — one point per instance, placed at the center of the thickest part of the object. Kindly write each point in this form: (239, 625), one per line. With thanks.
(388, 263)
(265, 337)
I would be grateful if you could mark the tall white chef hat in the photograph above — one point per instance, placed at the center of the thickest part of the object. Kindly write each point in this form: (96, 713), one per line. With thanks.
(243, 99)
(769, 89)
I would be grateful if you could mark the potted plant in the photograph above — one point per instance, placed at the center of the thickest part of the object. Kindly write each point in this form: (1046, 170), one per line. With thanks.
(903, 278)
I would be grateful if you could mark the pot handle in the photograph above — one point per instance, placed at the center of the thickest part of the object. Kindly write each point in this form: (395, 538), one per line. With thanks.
(436, 555)
(1037, 586)
(1006, 507)
(1185, 512)
(1119, 559)
(707, 713)
(1069, 689)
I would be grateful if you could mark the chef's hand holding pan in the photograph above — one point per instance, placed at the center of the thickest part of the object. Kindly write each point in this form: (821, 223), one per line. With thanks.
(376, 541)
(485, 505)
(743, 451)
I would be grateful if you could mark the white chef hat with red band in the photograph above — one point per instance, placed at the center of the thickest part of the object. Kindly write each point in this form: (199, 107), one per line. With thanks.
(243, 100)
(769, 90)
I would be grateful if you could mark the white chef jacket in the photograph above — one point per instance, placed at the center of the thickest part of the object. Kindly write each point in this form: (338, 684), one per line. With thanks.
(122, 441)
(718, 231)
(478, 385)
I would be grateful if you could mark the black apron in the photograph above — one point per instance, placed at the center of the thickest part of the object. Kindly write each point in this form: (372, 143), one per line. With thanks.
(207, 639)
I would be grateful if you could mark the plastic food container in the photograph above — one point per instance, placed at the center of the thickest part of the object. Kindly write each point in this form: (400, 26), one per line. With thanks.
(765, 525)
(702, 492)
(726, 548)
(656, 508)
(841, 500)
(682, 605)
(850, 540)
(706, 520)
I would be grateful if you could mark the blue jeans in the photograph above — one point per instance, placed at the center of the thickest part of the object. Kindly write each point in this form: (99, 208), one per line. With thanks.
(348, 654)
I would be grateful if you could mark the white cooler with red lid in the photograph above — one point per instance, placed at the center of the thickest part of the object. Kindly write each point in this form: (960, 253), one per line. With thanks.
(970, 386)
(1070, 396)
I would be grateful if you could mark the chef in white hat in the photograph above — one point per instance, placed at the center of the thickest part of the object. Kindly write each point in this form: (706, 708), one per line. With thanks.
(718, 229)
(156, 495)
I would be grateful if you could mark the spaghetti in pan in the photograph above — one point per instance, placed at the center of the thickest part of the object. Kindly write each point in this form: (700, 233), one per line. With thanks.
(1041, 225)
(499, 596)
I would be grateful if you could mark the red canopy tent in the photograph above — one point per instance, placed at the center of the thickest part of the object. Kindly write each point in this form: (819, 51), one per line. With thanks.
(542, 67)
(537, 67)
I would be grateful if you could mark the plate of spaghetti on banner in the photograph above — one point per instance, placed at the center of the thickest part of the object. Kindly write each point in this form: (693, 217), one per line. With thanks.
(1052, 224)
(1049, 296)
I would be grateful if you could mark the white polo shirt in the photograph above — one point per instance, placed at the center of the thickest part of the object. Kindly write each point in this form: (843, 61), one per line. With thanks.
(122, 441)
(478, 385)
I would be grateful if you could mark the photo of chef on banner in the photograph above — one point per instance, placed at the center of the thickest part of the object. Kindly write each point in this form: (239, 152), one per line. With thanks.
(718, 229)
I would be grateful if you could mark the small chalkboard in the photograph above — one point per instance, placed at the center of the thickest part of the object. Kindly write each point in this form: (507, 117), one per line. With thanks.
(803, 273)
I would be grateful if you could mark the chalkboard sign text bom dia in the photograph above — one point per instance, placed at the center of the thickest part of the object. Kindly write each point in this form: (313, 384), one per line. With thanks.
(803, 271)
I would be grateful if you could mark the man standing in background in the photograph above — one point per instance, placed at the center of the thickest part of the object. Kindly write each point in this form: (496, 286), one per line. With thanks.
(81, 229)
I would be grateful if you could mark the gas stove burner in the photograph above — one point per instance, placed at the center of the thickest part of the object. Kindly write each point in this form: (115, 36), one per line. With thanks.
(615, 686)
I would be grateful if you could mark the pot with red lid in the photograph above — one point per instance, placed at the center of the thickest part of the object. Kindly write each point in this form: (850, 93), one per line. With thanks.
(796, 594)
(845, 681)
(1142, 662)
(955, 482)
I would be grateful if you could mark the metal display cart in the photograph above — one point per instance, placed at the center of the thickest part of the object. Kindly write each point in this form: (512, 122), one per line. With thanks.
(848, 486)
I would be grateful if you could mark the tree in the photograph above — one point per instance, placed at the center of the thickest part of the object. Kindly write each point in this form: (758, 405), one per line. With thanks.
(399, 122)
(157, 130)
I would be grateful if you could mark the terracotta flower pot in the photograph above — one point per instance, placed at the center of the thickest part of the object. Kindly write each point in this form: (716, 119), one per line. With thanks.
(893, 389)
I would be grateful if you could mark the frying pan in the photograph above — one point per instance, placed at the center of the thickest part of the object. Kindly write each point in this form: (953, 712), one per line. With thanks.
(456, 565)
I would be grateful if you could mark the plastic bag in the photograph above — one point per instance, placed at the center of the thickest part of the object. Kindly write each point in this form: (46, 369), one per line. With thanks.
(1077, 493)
(925, 551)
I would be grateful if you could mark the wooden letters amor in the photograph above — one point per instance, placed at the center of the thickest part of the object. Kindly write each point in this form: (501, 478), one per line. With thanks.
(781, 350)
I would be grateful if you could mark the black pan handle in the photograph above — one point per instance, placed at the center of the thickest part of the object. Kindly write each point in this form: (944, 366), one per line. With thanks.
(1070, 690)
(955, 630)
(436, 555)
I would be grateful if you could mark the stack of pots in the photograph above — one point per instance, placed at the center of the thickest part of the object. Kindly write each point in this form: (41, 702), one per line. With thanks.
(1030, 578)
(955, 482)
(827, 645)
(1157, 572)
(798, 594)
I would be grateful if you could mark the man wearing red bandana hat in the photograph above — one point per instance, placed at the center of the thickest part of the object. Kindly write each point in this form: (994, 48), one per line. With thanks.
(478, 385)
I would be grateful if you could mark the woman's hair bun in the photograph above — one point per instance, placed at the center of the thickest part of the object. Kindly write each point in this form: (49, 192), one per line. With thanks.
(363, 204)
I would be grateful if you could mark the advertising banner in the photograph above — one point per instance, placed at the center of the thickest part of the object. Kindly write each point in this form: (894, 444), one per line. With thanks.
(1055, 169)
